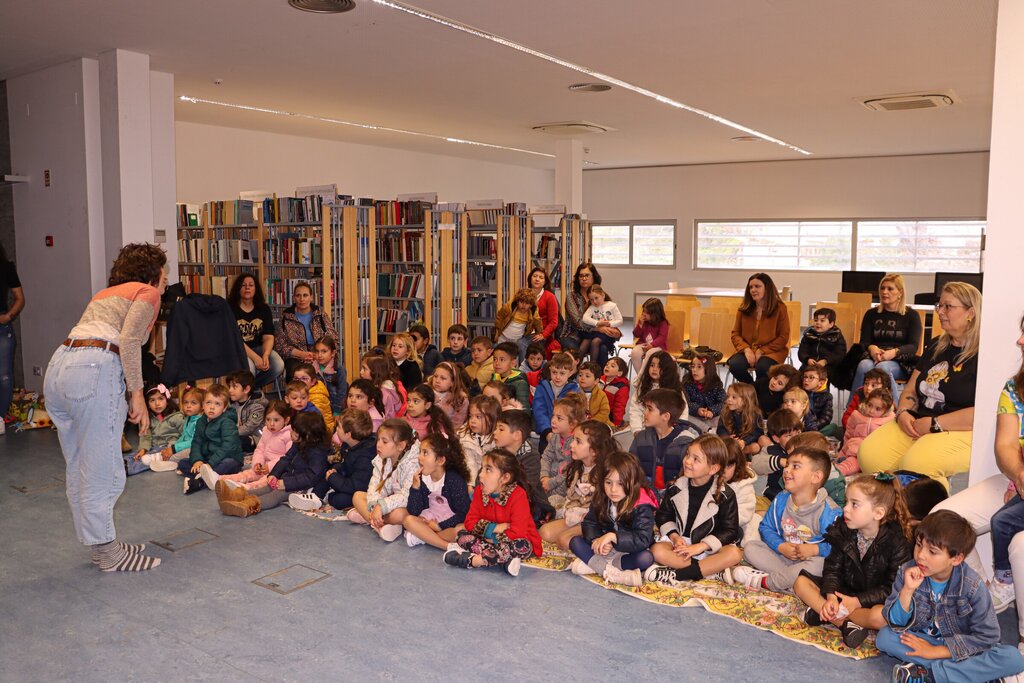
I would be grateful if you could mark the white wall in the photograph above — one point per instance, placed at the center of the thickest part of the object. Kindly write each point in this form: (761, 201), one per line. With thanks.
(932, 186)
(217, 163)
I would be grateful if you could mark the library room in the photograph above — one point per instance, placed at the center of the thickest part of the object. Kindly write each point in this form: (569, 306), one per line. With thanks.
(610, 339)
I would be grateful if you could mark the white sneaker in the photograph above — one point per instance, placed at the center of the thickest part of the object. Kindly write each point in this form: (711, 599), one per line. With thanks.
(302, 501)
(748, 576)
(580, 568)
(1003, 595)
(513, 565)
(413, 541)
(666, 576)
(147, 459)
(626, 577)
(208, 475)
(390, 532)
(158, 464)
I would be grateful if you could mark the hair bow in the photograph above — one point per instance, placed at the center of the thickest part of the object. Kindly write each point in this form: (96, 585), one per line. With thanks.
(883, 476)
(163, 390)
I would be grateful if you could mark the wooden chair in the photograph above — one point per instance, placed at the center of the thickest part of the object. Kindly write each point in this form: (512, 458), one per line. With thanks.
(796, 316)
(730, 302)
(715, 330)
(861, 302)
(786, 293)
(924, 323)
(686, 306)
(844, 318)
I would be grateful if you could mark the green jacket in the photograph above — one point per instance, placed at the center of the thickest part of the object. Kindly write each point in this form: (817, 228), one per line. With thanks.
(522, 387)
(216, 440)
(162, 433)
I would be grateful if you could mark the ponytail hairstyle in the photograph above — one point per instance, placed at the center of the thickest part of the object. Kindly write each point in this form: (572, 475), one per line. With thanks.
(743, 421)
(508, 463)
(439, 422)
(575, 404)
(737, 459)
(599, 438)
(450, 450)
(172, 405)
(311, 431)
(716, 453)
(372, 392)
(633, 480)
(400, 431)
(458, 391)
(885, 491)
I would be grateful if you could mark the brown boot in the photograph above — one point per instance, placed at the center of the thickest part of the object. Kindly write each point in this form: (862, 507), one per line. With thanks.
(225, 491)
(125, 446)
(250, 505)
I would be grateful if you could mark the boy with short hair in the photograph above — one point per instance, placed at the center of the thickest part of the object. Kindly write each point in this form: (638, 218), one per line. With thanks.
(481, 370)
(783, 425)
(597, 401)
(503, 359)
(616, 388)
(353, 473)
(819, 396)
(457, 350)
(534, 360)
(823, 344)
(771, 391)
(249, 406)
(296, 395)
(216, 449)
(512, 432)
(662, 443)
(941, 620)
(874, 379)
(504, 394)
(793, 530)
(549, 391)
(428, 353)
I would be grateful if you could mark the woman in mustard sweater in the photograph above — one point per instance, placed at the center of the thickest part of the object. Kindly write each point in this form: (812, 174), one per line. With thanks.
(761, 332)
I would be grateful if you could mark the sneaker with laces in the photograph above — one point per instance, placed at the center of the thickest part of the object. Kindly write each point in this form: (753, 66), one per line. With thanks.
(812, 618)
(513, 565)
(659, 573)
(1002, 594)
(580, 568)
(911, 673)
(748, 576)
(853, 635)
(390, 532)
(457, 558)
(625, 577)
(305, 501)
(725, 576)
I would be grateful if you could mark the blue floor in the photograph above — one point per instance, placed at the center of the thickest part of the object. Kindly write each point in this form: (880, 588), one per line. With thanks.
(386, 612)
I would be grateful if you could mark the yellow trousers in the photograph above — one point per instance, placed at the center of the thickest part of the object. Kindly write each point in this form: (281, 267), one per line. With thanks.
(938, 456)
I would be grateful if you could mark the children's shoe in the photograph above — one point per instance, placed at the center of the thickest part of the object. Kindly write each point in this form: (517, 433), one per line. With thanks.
(1002, 594)
(853, 635)
(226, 492)
(305, 501)
(147, 458)
(354, 517)
(580, 568)
(625, 577)
(390, 532)
(812, 618)
(911, 673)
(513, 565)
(659, 573)
(725, 576)
(749, 577)
(209, 476)
(158, 464)
(192, 484)
(412, 540)
(248, 506)
(125, 446)
(458, 558)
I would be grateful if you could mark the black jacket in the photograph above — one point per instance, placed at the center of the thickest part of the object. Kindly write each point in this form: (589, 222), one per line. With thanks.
(202, 340)
(353, 473)
(667, 453)
(300, 469)
(716, 524)
(829, 345)
(870, 579)
(633, 534)
(455, 491)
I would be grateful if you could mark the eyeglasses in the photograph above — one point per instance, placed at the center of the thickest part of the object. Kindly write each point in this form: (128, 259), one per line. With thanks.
(939, 308)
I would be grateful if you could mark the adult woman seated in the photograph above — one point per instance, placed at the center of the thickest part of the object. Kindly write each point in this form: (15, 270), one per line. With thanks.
(302, 324)
(932, 430)
(576, 305)
(256, 325)
(889, 333)
(760, 334)
(547, 305)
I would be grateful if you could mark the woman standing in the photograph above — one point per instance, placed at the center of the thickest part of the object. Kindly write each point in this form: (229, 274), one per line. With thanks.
(10, 285)
(256, 325)
(301, 325)
(547, 305)
(761, 332)
(889, 333)
(84, 387)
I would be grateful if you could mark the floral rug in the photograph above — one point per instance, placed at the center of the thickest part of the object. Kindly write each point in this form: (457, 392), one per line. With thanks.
(327, 513)
(554, 559)
(775, 612)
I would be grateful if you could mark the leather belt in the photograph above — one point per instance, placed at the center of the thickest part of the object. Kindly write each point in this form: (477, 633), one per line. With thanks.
(94, 343)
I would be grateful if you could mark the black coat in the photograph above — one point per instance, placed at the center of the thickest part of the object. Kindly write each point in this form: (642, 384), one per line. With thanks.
(830, 345)
(716, 524)
(202, 340)
(634, 534)
(870, 579)
(354, 472)
(299, 469)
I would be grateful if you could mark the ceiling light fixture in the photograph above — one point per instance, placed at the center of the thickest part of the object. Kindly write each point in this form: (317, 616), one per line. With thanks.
(494, 38)
(366, 126)
(323, 6)
(590, 87)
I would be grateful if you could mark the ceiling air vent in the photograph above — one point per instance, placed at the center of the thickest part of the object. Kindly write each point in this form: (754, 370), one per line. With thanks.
(323, 6)
(909, 101)
(571, 128)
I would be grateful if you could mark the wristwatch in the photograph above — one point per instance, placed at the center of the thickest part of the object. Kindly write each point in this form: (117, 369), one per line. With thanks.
(935, 428)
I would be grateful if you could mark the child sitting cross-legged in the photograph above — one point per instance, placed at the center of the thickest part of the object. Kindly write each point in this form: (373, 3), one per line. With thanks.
(699, 519)
(438, 496)
(167, 459)
(165, 427)
(741, 417)
(741, 478)
(872, 414)
(619, 527)
(819, 396)
(549, 391)
(275, 442)
(450, 393)
(383, 504)
(499, 528)
(870, 543)
(249, 406)
(588, 378)
(660, 372)
(354, 431)
(569, 412)
(215, 448)
(662, 443)
(941, 622)
(783, 425)
(475, 437)
(512, 432)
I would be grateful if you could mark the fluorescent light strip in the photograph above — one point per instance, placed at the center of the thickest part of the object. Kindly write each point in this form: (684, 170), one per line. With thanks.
(486, 35)
(367, 126)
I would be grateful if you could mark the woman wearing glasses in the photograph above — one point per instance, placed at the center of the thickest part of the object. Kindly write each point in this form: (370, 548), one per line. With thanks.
(932, 430)
(889, 333)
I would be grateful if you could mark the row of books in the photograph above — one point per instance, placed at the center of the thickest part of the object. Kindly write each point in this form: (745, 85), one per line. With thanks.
(190, 250)
(393, 212)
(232, 212)
(391, 320)
(400, 284)
(406, 246)
(193, 280)
(481, 246)
(188, 214)
(292, 248)
(482, 277)
(482, 307)
(548, 247)
(293, 209)
(233, 251)
(280, 291)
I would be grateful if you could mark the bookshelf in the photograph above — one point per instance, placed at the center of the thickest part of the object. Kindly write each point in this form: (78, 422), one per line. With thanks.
(233, 242)
(577, 248)
(449, 255)
(291, 233)
(192, 254)
(405, 280)
(496, 261)
(559, 249)
(352, 287)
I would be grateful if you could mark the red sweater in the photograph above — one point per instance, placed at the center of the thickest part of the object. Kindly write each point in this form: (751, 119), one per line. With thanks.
(515, 512)
(547, 309)
(618, 396)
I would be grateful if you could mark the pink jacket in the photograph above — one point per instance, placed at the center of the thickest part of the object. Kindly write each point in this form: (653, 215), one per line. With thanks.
(392, 399)
(444, 402)
(858, 428)
(418, 424)
(272, 446)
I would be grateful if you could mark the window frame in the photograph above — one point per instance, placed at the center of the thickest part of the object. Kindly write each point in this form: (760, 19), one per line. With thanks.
(854, 235)
(632, 224)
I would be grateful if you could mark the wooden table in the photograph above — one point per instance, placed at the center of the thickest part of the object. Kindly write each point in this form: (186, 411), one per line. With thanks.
(703, 294)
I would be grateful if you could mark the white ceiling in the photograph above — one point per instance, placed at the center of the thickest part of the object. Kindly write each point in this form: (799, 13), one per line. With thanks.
(789, 68)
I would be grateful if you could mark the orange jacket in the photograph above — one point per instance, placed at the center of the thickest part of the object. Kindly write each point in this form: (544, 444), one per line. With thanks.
(769, 335)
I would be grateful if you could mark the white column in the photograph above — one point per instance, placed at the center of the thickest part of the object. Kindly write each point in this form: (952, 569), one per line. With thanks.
(164, 181)
(569, 174)
(1002, 307)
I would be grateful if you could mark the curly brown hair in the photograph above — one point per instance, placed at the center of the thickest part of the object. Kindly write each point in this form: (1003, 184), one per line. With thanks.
(138, 262)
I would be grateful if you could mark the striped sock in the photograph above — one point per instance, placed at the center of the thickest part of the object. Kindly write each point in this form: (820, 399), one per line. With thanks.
(129, 547)
(115, 557)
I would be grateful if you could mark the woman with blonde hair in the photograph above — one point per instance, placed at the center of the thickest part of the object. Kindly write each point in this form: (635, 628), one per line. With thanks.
(932, 430)
(889, 334)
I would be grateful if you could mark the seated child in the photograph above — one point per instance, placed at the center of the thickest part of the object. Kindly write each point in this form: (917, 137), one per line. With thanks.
(793, 530)
(517, 323)
(604, 315)
(428, 353)
(872, 414)
(700, 538)
(941, 622)
(481, 370)
(504, 394)
(662, 443)
(660, 372)
(216, 448)
(302, 466)
(383, 504)
(835, 485)
(597, 401)
(534, 359)
(819, 396)
(318, 395)
(457, 350)
(870, 542)
(922, 495)
(424, 415)
(504, 360)
(705, 394)
(296, 395)
(354, 431)
(450, 393)
(772, 389)
(782, 425)
(873, 379)
(650, 334)
(822, 345)
(619, 527)
(363, 395)
(475, 436)
(797, 401)
(249, 406)
(167, 459)
(569, 412)
(384, 373)
(616, 388)
(741, 478)
(331, 372)
(741, 417)
(549, 391)
(275, 442)
(402, 350)
(438, 496)
(512, 432)
(165, 427)
(499, 528)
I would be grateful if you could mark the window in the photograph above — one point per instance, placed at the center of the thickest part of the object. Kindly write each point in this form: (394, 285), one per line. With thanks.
(920, 246)
(634, 244)
(775, 245)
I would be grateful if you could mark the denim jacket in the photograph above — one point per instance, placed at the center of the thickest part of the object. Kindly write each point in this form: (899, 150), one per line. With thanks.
(964, 612)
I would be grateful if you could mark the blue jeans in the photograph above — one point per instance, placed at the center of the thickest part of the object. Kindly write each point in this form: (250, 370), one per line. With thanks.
(265, 377)
(994, 663)
(580, 547)
(1007, 522)
(894, 369)
(740, 368)
(84, 391)
(8, 345)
